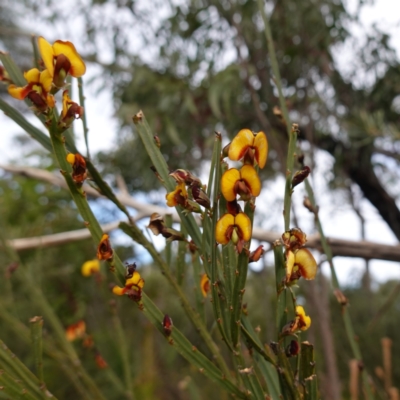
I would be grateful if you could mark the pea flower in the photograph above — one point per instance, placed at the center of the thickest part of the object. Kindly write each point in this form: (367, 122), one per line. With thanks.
(79, 173)
(249, 146)
(204, 285)
(178, 196)
(133, 287)
(301, 322)
(244, 183)
(61, 59)
(76, 331)
(233, 228)
(70, 112)
(90, 267)
(104, 249)
(37, 89)
(299, 261)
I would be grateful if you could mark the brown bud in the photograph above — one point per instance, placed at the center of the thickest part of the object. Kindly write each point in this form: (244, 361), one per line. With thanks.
(157, 141)
(199, 195)
(292, 349)
(299, 176)
(157, 224)
(167, 325)
(256, 254)
(340, 297)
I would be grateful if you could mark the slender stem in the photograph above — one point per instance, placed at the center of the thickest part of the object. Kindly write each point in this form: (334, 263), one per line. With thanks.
(36, 334)
(84, 123)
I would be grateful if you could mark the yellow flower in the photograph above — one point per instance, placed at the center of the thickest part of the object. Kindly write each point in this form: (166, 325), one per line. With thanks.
(303, 321)
(79, 172)
(300, 263)
(90, 267)
(245, 183)
(233, 228)
(178, 196)
(61, 59)
(37, 89)
(133, 287)
(248, 145)
(204, 285)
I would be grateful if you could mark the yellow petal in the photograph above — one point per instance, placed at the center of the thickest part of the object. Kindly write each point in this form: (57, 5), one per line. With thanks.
(47, 53)
(289, 263)
(242, 221)
(119, 291)
(306, 263)
(18, 92)
(90, 267)
(261, 149)
(46, 80)
(228, 181)
(32, 76)
(134, 279)
(78, 67)
(70, 158)
(222, 227)
(304, 320)
(250, 176)
(240, 143)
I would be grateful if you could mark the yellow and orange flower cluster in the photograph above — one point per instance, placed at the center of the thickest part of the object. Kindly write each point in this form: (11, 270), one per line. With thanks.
(60, 60)
(300, 323)
(133, 284)
(299, 260)
(241, 184)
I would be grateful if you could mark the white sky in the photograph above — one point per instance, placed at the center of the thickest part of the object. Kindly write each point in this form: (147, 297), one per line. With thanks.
(338, 220)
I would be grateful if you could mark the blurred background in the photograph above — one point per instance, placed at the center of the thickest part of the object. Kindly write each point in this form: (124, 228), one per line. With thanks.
(194, 67)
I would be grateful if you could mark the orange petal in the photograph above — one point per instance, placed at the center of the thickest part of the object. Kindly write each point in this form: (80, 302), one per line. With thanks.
(47, 53)
(242, 221)
(228, 181)
(240, 143)
(32, 76)
(19, 92)
(306, 263)
(78, 67)
(46, 80)
(204, 285)
(221, 228)
(261, 149)
(304, 320)
(250, 176)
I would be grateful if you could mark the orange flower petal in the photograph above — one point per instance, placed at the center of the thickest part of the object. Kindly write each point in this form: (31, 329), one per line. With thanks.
(289, 264)
(306, 263)
(47, 53)
(19, 92)
(32, 76)
(242, 221)
(250, 176)
(221, 228)
(261, 149)
(204, 285)
(78, 67)
(171, 197)
(304, 320)
(240, 143)
(228, 181)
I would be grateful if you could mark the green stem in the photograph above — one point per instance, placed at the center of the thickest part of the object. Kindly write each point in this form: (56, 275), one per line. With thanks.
(84, 123)
(36, 334)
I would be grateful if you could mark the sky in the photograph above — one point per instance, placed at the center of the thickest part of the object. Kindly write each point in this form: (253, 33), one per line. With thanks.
(338, 219)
